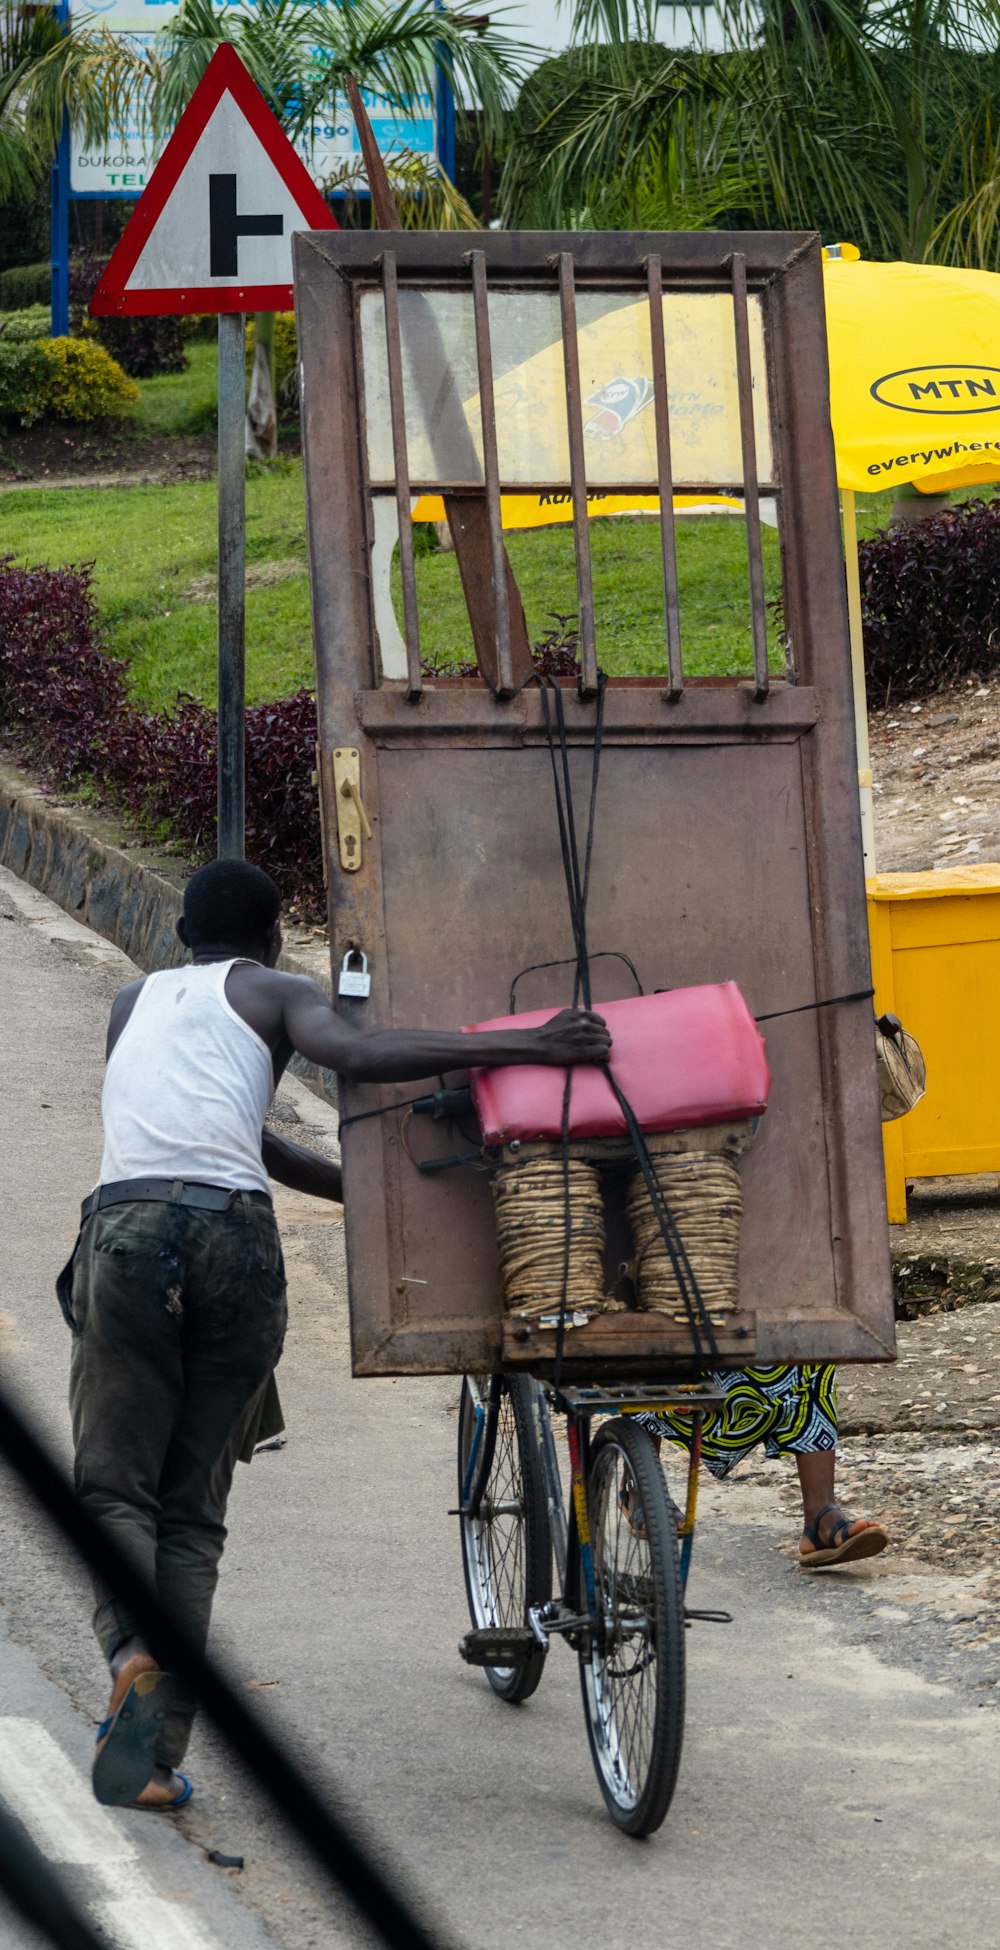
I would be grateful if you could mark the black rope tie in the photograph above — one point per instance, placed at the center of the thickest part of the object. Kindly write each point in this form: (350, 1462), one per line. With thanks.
(577, 891)
(829, 1002)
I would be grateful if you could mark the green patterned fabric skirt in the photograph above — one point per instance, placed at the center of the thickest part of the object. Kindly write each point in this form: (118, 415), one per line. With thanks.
(790, 1410)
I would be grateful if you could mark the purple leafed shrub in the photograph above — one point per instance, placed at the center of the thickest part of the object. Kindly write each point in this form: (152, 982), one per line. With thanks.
(65, 708)
(930, 599)
(60, 697)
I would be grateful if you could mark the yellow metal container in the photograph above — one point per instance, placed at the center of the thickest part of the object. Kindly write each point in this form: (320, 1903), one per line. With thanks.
(935, 940)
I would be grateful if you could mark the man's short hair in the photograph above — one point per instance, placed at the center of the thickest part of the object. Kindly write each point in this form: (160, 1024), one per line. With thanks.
(230, 903)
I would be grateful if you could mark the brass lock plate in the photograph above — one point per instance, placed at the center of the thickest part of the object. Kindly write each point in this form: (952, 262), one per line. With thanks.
(352, 820)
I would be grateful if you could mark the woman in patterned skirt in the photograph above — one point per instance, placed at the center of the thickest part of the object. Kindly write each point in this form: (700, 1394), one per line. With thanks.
(792, 1411)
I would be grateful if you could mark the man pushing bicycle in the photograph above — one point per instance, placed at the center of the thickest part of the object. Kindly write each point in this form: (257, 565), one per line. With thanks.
(176, 1289)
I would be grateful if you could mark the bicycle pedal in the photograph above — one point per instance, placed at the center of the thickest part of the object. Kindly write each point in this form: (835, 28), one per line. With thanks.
(496, 1645)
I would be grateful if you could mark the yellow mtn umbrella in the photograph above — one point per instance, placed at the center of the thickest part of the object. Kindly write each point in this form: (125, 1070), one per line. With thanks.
(914, 374)
(615, 358)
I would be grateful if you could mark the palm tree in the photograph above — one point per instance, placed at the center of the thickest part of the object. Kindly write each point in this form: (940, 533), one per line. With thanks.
(299, 56)
(46, 68)
(868, 119)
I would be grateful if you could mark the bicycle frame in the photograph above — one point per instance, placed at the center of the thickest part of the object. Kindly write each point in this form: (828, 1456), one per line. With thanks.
(576, 1608)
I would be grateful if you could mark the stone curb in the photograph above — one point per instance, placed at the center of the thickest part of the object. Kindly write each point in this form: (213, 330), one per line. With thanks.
(81, 863)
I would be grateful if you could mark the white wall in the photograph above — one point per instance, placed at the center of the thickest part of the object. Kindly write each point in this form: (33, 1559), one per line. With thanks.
(543, 25)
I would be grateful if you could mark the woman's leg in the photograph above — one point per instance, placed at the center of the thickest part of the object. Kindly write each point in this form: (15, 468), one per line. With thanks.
(817, 1468)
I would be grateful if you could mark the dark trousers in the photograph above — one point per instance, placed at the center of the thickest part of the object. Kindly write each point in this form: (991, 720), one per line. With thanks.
(179, 1317)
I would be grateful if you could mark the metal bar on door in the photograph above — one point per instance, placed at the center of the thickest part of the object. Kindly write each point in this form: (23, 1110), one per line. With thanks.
(751, 498)
(397, 415)
(231, 736)
(491, 472)
(578, 474)
(665, 477)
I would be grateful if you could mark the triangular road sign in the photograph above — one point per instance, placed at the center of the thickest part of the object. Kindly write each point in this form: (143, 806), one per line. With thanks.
(212, 232)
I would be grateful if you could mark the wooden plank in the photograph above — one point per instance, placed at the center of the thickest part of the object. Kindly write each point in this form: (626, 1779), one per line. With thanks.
(614, 1342)
(690, 257)
(712, 710)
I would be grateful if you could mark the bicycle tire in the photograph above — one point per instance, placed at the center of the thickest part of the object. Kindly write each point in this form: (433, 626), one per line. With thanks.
(632, 1672)
(506, 1550)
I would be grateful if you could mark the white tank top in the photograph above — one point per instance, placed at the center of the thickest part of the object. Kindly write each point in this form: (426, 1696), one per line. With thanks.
(187, 1086)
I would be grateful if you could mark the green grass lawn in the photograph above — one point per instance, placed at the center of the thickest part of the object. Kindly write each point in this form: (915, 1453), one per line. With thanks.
(628, 591)
(628, 594)
(154, 551)
(181, 402)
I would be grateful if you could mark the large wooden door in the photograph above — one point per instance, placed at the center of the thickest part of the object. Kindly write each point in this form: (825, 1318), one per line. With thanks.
(728, 837)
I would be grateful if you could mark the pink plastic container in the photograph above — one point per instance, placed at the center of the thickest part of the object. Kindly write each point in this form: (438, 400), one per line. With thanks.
(686, 1057)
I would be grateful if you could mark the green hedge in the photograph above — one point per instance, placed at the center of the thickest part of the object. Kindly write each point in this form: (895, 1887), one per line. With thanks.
(61, 379)
(34, 322)
(26, 284)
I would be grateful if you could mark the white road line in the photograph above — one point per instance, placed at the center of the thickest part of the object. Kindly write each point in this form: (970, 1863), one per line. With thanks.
(145, 1922)
(43, 1789)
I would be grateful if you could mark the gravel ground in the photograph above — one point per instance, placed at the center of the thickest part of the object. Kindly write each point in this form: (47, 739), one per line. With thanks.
(937, 780)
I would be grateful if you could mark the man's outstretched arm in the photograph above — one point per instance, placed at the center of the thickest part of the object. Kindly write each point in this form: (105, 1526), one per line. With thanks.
(405, 1055)
(300, 1169)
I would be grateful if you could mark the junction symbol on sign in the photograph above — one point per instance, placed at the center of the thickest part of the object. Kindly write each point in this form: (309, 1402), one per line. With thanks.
(212, 232)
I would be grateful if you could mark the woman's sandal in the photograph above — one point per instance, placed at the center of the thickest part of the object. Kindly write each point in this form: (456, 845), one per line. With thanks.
(842, 1547)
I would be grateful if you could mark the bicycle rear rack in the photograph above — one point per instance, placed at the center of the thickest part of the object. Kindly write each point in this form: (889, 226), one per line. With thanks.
(634, 1398)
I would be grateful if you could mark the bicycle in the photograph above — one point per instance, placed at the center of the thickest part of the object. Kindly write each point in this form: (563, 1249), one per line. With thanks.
(622, 1556)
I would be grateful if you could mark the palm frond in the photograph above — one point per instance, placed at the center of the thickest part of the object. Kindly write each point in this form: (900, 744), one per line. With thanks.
(426, 197)
(969, 233)
(299, 55)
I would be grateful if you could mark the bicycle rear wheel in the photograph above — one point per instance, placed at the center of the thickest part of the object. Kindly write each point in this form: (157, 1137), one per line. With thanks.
(632, 1675)
(506, 1552)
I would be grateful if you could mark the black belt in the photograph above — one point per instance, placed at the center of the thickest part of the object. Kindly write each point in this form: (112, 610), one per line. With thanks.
(167, 1191)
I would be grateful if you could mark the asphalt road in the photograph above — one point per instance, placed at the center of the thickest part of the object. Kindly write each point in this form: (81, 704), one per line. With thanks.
(833, 1786)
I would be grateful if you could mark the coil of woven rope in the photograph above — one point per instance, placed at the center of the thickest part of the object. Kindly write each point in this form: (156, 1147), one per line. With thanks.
(705, 1196)
(531, 1235)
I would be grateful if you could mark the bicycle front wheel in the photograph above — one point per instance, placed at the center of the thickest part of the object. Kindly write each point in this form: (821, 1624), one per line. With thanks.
(506, 1552)
(632, 1674)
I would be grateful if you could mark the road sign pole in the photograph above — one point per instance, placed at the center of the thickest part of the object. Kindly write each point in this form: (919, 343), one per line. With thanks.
(232, 586)
(60, 235)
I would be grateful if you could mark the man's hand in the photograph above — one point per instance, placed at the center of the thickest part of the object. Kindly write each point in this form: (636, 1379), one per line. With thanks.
(573, 1036)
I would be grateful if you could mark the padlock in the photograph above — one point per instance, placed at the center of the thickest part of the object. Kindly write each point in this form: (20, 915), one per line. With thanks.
(354, 981)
